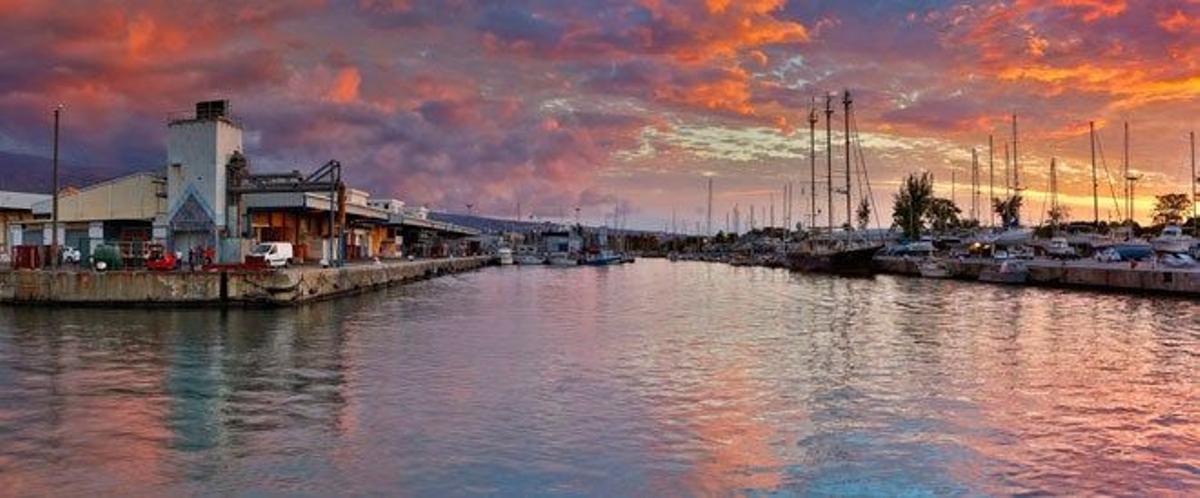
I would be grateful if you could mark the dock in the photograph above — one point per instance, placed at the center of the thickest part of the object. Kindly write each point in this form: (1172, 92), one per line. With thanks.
(282, 287)
(1086, 274)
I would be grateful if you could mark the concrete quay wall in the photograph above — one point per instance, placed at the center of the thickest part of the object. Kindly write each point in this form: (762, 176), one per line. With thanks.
(271, 288)
(1082, 274)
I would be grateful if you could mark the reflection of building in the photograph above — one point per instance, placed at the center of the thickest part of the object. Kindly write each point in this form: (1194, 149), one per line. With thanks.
(120, 211)
(14, 207)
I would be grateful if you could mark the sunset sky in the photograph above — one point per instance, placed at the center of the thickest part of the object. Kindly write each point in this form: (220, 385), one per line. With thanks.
(557, 104)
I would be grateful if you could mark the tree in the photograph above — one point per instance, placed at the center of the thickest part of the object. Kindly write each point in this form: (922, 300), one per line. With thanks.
(864, 214)
(1009, 210)
(911, 203)
(942, 214)
(1170, 208)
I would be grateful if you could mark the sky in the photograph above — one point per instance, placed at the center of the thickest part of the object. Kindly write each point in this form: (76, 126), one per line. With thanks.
(595, 104)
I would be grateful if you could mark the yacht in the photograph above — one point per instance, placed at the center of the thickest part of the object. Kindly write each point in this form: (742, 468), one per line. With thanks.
(1172, 240)
(506, 255)
(1059, 248)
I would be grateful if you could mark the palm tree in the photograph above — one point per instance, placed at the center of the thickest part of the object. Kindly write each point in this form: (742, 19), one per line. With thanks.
(1009, 210)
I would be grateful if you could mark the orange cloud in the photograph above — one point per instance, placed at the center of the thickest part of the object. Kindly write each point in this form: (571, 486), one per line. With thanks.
(345, 86)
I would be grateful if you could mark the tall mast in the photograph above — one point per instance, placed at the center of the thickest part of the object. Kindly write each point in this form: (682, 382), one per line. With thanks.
(771, 220)
(1095, 181)
(974, 184)
(1054, 193)
(1015, 158)
(953, 186)
(1007, 172)
(1195, 220)
(846, 103)
(991, 184)
(812, 159)
(829, 157)
(708, 222)
(1125, 175)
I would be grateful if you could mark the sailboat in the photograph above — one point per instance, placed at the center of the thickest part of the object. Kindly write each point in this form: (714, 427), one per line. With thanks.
(846, 252)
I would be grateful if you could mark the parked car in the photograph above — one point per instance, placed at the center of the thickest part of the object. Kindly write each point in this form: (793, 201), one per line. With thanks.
(274, 254)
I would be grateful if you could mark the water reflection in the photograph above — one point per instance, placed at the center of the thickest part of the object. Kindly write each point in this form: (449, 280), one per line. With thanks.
(655, 378)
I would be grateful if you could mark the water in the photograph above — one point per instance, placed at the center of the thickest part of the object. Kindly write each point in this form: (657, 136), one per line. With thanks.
(653, 379)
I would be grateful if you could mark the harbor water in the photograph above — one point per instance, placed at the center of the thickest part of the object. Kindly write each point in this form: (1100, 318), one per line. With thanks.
(650, 379)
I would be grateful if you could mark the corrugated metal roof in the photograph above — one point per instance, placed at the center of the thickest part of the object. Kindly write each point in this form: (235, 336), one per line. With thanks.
(20, 200)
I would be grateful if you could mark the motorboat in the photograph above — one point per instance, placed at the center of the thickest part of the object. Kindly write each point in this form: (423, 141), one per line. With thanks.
(506, 255)
(1177, 260)
(1059, 248)
(1009, 271)
(529, 255)
(1172, 240)
(602, 258)
(935, 268)
(563, 259)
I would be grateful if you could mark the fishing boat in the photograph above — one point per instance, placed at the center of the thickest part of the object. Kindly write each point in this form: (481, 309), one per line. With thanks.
(935, 268)
(845, 252)
(1009, 271)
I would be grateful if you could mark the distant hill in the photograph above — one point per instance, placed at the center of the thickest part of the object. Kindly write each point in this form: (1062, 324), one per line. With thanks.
(29, 173)
(495, 225)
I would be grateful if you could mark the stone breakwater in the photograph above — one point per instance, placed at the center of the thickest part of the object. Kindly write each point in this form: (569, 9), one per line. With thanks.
(1116, 277)
(282, 287)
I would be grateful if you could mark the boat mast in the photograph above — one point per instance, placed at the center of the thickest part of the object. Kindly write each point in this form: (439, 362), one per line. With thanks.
(708, 218)
(1125, 175)
(1015, 160)
(812, 159)
(1054, 195)
(829, 157)
(991, 184)
(1195, 220)
(974, 184)
(1095, 181)
(846, 103)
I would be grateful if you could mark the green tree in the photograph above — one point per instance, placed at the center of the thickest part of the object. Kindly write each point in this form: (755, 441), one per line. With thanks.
(911, 203)
(1009, 210)
(1170, 208)
(942, 214)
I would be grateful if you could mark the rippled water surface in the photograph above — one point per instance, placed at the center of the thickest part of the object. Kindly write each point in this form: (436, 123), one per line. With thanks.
(655, 379)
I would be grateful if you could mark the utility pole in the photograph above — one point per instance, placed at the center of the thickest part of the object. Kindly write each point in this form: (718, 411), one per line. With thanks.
(1095, 179)
(846, 103)
(54, 185)
(829, 157)
(812, 159)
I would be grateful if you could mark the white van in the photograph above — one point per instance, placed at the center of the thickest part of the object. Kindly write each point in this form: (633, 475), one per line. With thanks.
(275, 254)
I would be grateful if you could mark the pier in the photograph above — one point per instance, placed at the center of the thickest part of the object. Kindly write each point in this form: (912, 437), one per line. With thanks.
(1116, 277)
(282, 287)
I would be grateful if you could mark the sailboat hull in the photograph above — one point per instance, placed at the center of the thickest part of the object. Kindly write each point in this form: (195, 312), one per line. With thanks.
(858, 261)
